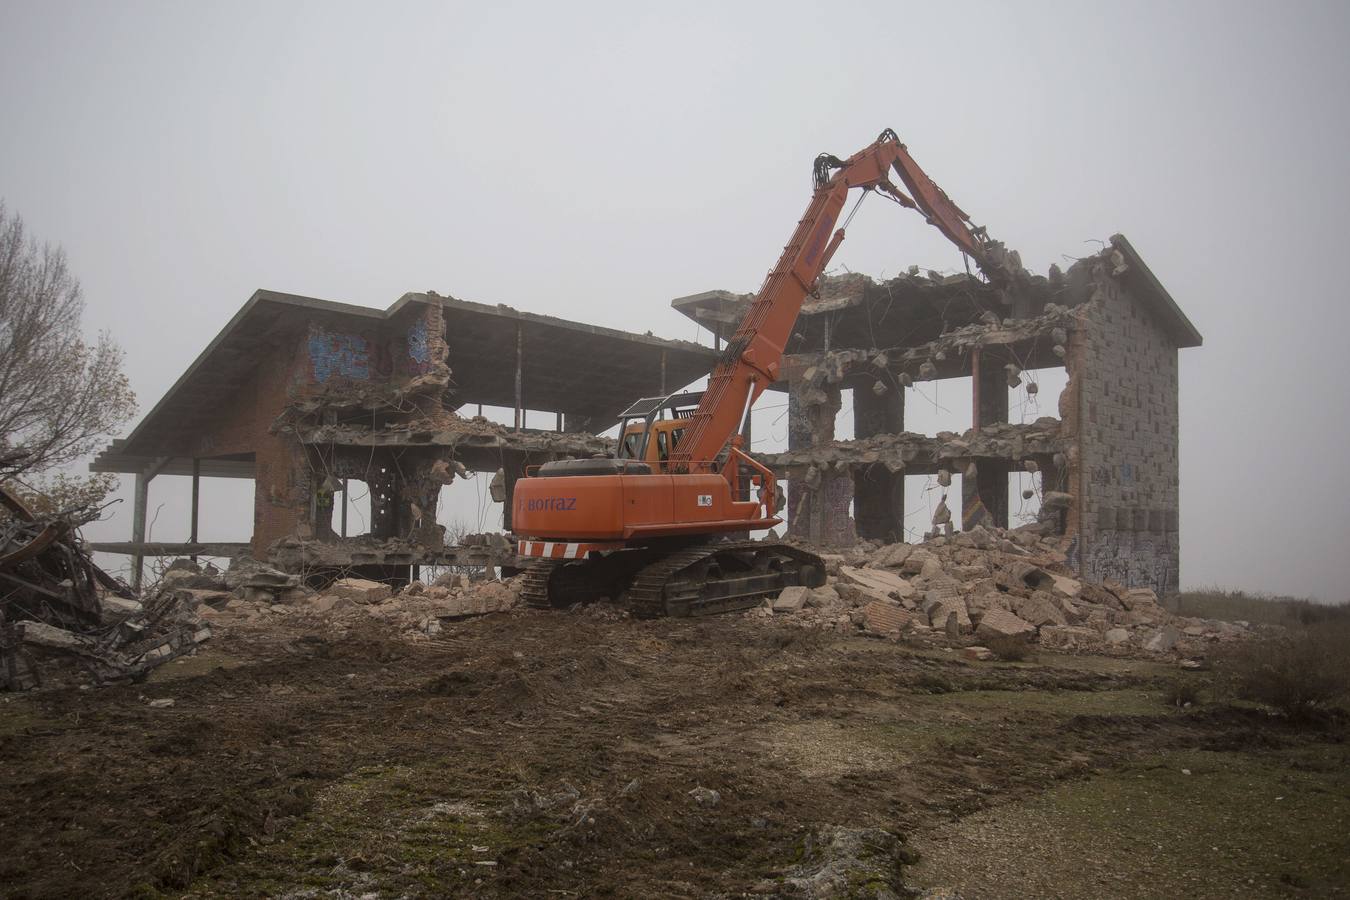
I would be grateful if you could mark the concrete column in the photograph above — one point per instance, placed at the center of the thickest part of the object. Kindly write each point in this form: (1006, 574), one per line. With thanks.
(196, 496)
(878, 493)
(984, 499)
(820, 513)
(138, 528)
(514, 469)
(520, 356)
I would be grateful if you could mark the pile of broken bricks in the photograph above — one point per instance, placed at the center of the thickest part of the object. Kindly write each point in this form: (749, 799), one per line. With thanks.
(987, 584)
(253, 593)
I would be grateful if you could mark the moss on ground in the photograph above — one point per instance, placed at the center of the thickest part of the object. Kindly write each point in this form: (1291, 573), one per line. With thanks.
(1194, 823)
(379, 829)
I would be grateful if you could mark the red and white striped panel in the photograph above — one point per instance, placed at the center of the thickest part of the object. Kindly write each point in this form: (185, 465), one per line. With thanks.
(562, 550)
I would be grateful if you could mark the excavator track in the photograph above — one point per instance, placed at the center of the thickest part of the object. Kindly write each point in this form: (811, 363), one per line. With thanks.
(682, 580)
(715, 578)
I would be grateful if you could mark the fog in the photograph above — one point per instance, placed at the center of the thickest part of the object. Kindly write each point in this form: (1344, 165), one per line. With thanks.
(593, 160)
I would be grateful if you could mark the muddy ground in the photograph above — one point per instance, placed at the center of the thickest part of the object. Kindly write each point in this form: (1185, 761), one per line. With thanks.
(554, 754)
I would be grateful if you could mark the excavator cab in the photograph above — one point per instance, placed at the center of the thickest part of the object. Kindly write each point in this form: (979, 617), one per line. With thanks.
(647, 435)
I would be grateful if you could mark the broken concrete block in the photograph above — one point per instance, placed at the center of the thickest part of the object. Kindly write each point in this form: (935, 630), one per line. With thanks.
(41, 634)
(823, 597)
(329, 602)
(881, 582)
(1066, 587)
(892, 556)
(886, 617)
(115, 609)
(361, 590)
(940, 611)
(1001, 623)
(1069, 637)
(1116, 636)
(1039, 609)
(980, 654)
(791, 599)
(497, 486)
(1162, 640)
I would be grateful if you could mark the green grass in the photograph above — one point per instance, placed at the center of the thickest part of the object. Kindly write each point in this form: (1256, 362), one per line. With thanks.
(381, 829)
(1233, 606)
(1195, 824)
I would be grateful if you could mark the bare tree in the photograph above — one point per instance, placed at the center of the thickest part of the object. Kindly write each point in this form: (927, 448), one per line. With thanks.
(59, 396)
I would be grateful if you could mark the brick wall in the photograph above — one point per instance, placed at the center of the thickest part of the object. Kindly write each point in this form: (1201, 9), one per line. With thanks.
(1125, 374)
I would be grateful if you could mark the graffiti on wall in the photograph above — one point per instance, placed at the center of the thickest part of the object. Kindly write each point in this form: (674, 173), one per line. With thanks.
(338, 355)
(418, 351)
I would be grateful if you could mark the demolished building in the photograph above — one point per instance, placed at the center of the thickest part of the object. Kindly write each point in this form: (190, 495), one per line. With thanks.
(307, 397)
(1107, 466)
(314, 400)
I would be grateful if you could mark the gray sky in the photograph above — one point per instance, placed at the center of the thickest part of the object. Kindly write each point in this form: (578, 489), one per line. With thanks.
(595, 160)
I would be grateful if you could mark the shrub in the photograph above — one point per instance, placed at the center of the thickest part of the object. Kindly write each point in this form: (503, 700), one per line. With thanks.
(1232, 606)
(1009, 647)
(1181, 692)
(1297, 673)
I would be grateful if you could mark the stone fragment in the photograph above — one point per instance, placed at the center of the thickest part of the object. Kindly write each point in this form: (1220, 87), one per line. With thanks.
(1039, 609)
(1115, 636)
(1162, 640)
(892, 556)
(361, 590)
(941, 603)
(886, 617)
(882, 582)
(823, 597)
(791, 599)
(43, 635)
(980, 654)
(329, 602)
(1065, 586)
(705, 796)
(1069, 637)
(1000, 623)
(161, 703)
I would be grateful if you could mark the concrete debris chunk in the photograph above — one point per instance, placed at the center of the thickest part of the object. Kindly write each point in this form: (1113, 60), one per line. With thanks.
(360, 590)
(1162, 640)
(1069, 637)
(1116, 636)
(1039, 609)
(881, 582)
(996, 623)
(886, 617)
(791, 599)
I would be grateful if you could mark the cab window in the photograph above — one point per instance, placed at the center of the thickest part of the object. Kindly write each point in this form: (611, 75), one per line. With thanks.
(632, 443)
(662, 448)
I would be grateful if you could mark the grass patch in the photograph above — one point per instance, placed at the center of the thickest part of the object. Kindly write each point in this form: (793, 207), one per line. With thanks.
(1299, 673)
(381, 829)
(1194, 824)
(1234, 606)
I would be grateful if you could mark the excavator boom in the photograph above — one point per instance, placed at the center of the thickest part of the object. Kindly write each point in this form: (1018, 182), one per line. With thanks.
(754, 354)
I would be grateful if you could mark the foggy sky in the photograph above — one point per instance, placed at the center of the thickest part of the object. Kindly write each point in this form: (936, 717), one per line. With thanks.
(593, 161)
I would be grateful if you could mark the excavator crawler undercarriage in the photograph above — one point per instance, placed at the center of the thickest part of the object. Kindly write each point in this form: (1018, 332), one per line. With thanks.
(696, 579)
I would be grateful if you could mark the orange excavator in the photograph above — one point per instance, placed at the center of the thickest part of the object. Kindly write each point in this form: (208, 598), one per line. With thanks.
(654, 525)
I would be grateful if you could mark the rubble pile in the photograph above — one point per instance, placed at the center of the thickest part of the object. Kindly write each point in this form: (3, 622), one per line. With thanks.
(988, 584)
(58, 609)
(251, 592)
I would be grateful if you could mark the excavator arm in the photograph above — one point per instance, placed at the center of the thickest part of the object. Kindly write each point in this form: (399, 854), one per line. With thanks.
(754, 354)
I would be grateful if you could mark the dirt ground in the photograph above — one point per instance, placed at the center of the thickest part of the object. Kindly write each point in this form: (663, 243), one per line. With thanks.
(554, 754)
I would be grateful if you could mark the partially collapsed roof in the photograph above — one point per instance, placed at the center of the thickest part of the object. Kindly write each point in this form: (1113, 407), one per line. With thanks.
(582, 370)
